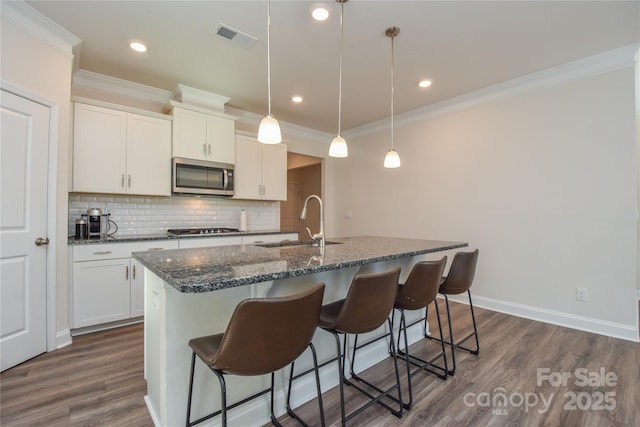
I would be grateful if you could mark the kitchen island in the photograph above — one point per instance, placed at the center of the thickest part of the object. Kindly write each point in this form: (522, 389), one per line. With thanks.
(193, 292)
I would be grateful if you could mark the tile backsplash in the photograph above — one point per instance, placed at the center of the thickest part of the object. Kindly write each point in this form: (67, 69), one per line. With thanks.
(154, 215)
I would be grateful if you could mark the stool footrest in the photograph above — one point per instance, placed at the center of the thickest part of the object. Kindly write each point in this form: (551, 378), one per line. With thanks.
(219, 411)
(374, 399)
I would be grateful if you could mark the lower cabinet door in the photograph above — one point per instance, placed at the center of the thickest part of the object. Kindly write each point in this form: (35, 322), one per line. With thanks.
(137, 289)
(101, 291)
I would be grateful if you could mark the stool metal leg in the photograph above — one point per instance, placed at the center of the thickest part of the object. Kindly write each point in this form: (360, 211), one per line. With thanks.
(452, 343)
(193, 363)
(422, 365)
(382, 393)
(223, 396)
(318, 389)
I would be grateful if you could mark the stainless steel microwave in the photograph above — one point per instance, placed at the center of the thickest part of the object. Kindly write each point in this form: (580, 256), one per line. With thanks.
(191, 176)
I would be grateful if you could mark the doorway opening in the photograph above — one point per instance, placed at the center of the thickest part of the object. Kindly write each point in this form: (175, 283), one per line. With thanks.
(304, 178)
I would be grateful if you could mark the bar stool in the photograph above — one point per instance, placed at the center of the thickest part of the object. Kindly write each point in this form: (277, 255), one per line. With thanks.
(263, 336)
(458, 281)
(367, 306)
(418, 291)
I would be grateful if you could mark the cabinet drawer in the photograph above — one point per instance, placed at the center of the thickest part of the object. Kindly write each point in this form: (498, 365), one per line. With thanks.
(269, 238)
(94, 252)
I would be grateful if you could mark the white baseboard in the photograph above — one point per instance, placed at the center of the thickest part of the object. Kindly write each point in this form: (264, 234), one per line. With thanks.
(63, 338)
(597, 326)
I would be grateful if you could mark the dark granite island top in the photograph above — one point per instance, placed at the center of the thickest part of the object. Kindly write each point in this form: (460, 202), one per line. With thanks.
(215, 268)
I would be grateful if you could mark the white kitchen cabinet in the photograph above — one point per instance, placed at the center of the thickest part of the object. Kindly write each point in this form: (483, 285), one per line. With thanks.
(120, 152)
(137, 289)
(108, 285)
(260, 171)
(148, 155)
(203, 242)
(203, 136)
(100, 291)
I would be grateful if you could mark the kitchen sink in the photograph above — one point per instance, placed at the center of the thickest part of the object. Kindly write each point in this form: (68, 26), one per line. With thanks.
(289, 243)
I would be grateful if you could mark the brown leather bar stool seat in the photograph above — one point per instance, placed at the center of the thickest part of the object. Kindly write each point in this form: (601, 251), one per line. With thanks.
(367, 306)
(459, 281)
(263, 336)
(419, 290)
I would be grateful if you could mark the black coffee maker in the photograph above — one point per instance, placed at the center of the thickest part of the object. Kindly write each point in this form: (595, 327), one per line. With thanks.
(94, 222)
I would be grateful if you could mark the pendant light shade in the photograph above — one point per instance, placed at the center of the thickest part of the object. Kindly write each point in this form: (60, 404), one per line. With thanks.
(338, 147)
(392, 160)
(269, 130)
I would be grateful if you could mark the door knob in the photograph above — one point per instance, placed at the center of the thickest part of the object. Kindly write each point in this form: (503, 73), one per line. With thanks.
(42, 241)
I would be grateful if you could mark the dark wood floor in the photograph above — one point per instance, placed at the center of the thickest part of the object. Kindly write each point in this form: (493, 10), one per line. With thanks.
(98, 381)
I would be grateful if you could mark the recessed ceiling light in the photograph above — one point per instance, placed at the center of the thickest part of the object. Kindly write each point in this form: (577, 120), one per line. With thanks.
(138, 46)
(320, 11)
(425, 83)
(296, 98)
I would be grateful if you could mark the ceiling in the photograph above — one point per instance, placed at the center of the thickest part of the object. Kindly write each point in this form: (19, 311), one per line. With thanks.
(461, 46)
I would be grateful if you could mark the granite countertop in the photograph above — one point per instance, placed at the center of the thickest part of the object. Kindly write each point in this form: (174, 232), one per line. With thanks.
(164, 236)
(214, 268)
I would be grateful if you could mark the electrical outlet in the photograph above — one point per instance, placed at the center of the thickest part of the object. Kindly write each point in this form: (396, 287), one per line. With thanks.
(582, 294)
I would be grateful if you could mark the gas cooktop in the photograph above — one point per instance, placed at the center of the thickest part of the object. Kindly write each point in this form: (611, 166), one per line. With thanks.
(206, 230)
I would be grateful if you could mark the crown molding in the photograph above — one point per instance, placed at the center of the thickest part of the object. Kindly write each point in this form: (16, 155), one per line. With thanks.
(289, 131)
(102, 82)
(33, 22)
(591, 66)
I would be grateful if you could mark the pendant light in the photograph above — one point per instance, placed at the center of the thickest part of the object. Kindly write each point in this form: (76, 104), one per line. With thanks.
(392, 160)
(338, 147)
(269, 130)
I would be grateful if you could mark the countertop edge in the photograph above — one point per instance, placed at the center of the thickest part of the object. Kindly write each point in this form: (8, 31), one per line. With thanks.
(72, 241)
(243, 281)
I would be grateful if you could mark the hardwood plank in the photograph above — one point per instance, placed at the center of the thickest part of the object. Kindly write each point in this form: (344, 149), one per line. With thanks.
(98, 380)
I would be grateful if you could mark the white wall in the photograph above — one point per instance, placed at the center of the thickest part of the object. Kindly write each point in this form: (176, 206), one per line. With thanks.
(544, 183)
(44, 71)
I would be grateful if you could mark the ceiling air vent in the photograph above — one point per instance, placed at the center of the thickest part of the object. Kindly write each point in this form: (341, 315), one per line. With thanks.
(235, 36)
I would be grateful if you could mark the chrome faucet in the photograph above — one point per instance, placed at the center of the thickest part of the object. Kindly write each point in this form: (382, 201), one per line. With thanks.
(320, 235)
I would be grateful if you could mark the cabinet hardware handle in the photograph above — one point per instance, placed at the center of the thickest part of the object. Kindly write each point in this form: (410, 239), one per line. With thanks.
(129, 181)
(209, 145)
(126, 272)
(134, 272)
(155, 249)
(204, 149)
(102, 253)
(122, 181)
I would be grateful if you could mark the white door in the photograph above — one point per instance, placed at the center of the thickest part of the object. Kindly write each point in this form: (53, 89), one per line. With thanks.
(23, 212)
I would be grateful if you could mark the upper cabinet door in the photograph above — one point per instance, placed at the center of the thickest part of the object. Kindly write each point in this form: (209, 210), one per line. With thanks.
(260, 171)
(220, 139)
(274, 172)
(197, 135)
(99, 149)
(248, 169)
(148, 155)
(189, 134)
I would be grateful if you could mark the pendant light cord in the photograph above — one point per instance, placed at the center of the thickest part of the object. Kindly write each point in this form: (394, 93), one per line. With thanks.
(340, 80)
(269, 56)
(392, 66)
